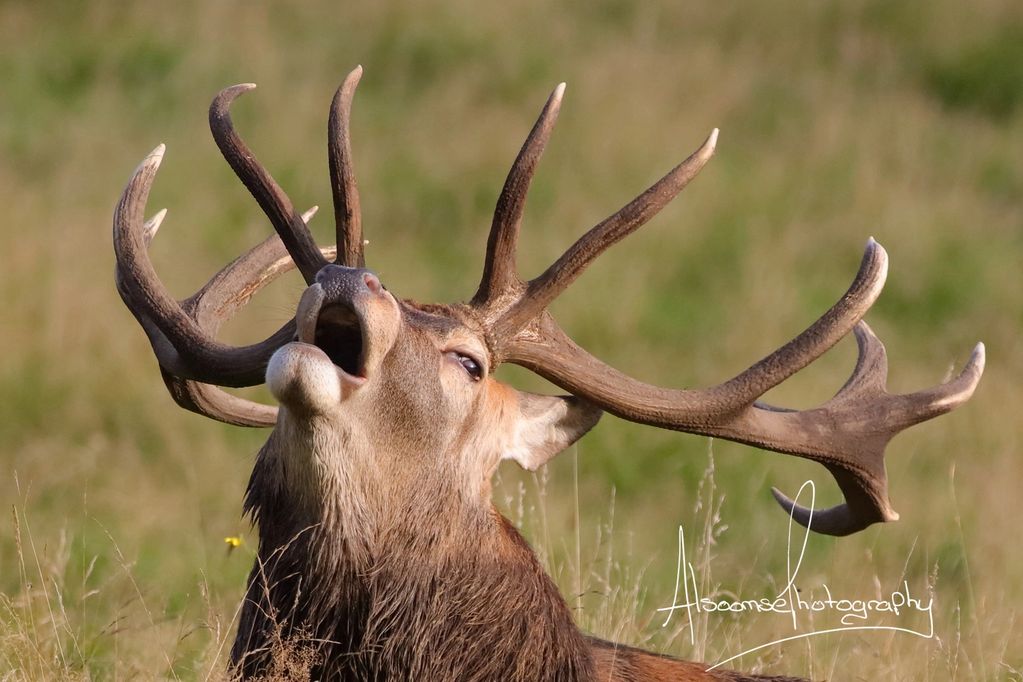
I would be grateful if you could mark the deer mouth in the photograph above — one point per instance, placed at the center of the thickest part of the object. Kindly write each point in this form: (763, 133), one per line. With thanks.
(339, 335)
(336, 328)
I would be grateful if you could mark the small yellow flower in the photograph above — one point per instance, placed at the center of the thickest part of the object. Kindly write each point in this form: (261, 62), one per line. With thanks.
(233, 542)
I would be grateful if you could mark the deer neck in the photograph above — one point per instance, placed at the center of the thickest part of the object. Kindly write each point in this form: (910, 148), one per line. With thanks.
(409, 574)
(315, 485)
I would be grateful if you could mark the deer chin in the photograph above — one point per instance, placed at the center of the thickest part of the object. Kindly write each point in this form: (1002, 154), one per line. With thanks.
(304, 380)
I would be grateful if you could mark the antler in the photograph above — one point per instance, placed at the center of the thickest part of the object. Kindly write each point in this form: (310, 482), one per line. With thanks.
(183, 333)
(264, 189)
(347, 213)
(848, 434)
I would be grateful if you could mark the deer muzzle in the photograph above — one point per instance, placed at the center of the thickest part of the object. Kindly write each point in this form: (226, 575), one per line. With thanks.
(346, 324)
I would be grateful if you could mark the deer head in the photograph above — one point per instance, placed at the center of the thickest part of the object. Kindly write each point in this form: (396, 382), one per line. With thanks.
(388, 407)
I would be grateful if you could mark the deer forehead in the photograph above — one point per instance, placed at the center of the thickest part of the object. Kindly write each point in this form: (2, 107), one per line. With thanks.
(450, 327)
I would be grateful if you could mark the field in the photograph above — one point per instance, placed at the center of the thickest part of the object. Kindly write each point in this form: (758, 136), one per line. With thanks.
(839, 121)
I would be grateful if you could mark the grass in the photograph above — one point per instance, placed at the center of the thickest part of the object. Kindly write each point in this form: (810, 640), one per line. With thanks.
(838, 122)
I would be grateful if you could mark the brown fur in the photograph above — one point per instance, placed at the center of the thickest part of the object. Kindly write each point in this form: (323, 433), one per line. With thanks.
(427, 609)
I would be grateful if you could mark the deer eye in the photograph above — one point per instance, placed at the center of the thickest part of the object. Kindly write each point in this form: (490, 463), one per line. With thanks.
(473, 368)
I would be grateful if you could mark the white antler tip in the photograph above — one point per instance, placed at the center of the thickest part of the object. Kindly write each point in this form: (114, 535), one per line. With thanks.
(706, 150)
(150, 227)
(153, 224)
(874, 251)
(354, 76)
(310, 212)
(978, 356)
(559, 91)
(152, 160)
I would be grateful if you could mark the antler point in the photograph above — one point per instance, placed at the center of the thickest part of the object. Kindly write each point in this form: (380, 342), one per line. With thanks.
(706, 150)
(222, 102)
(780, 496)
(152, 160)
(977, 359)
(875, 252)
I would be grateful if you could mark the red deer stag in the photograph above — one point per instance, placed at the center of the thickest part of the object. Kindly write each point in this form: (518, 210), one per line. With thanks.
(378, 539)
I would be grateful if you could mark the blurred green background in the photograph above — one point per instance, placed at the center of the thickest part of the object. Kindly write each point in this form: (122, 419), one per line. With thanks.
(838, 121)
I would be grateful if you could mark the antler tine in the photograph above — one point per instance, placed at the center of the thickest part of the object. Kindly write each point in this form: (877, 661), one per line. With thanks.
(819, 337)
(933, 402)
(545, 288)
(152, 226)
(347, 214)
(271, 198)
(499, 275)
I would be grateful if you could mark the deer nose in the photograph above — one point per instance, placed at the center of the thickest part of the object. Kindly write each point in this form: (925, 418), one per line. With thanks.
(342, 283)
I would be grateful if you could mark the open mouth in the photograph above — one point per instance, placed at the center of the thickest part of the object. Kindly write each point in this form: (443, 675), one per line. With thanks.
(334, 328)
(339, 335)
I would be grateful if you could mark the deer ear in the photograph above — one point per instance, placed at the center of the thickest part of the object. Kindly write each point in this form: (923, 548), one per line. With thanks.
(545, 425)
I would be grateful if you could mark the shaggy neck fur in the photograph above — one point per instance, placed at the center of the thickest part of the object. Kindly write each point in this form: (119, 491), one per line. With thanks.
(433, 589)
(367, 575)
